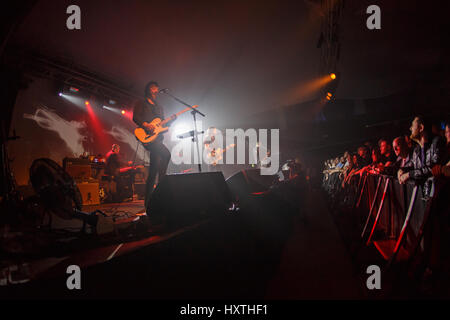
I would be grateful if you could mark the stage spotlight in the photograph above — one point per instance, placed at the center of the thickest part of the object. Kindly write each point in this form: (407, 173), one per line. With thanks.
(178, 129)
(73, 89)
(123, 111)
(86, 102)
(60, 94)
(333, 76)
(328, 98)
(329, 94)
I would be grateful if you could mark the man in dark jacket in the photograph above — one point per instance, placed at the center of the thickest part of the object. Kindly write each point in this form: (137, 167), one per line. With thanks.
(428, 152)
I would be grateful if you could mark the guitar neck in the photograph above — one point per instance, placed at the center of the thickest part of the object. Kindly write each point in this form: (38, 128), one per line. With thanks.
(177, 114)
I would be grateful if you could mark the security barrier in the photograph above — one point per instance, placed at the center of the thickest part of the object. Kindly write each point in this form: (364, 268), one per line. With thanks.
(392, 217)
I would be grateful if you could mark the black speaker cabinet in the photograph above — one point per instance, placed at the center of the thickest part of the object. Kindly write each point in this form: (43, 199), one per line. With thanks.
(245, 182)
(181, 199)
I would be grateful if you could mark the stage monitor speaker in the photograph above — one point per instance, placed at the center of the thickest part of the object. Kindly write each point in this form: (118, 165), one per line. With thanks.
(249, 181)
(181, 199)
(89, 192)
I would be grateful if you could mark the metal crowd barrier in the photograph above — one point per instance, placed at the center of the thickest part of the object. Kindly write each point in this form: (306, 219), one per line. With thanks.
(399, 213)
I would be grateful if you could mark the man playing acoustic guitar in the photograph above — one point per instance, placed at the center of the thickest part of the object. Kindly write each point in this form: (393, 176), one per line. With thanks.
(144, 113)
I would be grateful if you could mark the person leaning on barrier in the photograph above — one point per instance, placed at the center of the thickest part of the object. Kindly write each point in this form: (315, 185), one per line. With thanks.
(377, 165)
(429, 151)
(347, 164)
(437, 236)
(444, 170)
(403, 153)
(352, 169)
(364, 157)
(441, 171)
(388, 157)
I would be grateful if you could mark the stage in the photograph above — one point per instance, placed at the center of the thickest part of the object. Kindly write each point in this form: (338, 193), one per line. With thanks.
(257, 252)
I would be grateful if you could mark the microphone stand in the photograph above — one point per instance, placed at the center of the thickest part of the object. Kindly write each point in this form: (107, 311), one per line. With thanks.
(193, 112)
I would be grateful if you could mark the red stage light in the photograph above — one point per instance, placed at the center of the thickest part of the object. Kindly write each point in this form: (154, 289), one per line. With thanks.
(97, 127)
(123, 111)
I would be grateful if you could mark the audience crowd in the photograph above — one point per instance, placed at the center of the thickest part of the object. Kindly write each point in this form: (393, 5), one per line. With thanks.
(422, 156)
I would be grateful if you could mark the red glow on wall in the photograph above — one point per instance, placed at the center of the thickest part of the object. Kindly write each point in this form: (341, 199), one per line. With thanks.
(96, 126)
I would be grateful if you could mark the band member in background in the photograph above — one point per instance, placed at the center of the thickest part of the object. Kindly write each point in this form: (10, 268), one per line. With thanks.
(112, 169)
(144, 112)
(113, 163)
(84, 155)
(266, 161)
(209, 139)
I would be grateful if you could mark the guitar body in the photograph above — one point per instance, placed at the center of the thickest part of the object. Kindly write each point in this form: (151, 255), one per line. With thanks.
(144, 136)
(147, 137)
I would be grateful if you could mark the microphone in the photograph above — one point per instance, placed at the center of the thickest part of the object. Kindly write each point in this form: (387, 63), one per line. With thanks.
(164, 90)
(186, 135)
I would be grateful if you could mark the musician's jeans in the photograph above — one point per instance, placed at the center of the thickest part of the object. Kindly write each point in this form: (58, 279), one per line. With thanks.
(159, 160)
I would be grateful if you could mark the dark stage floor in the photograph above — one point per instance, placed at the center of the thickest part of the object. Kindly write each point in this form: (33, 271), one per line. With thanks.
(262, 251)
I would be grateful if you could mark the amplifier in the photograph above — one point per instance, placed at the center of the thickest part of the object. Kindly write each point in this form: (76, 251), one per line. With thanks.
(79, 171)
(73, 161)
(89, 192)
(77, 168)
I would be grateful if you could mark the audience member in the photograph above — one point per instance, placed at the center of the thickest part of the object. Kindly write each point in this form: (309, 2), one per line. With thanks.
(444, 170)
(388, 157)
(403, 153)
(364, 157)
(429, 151)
